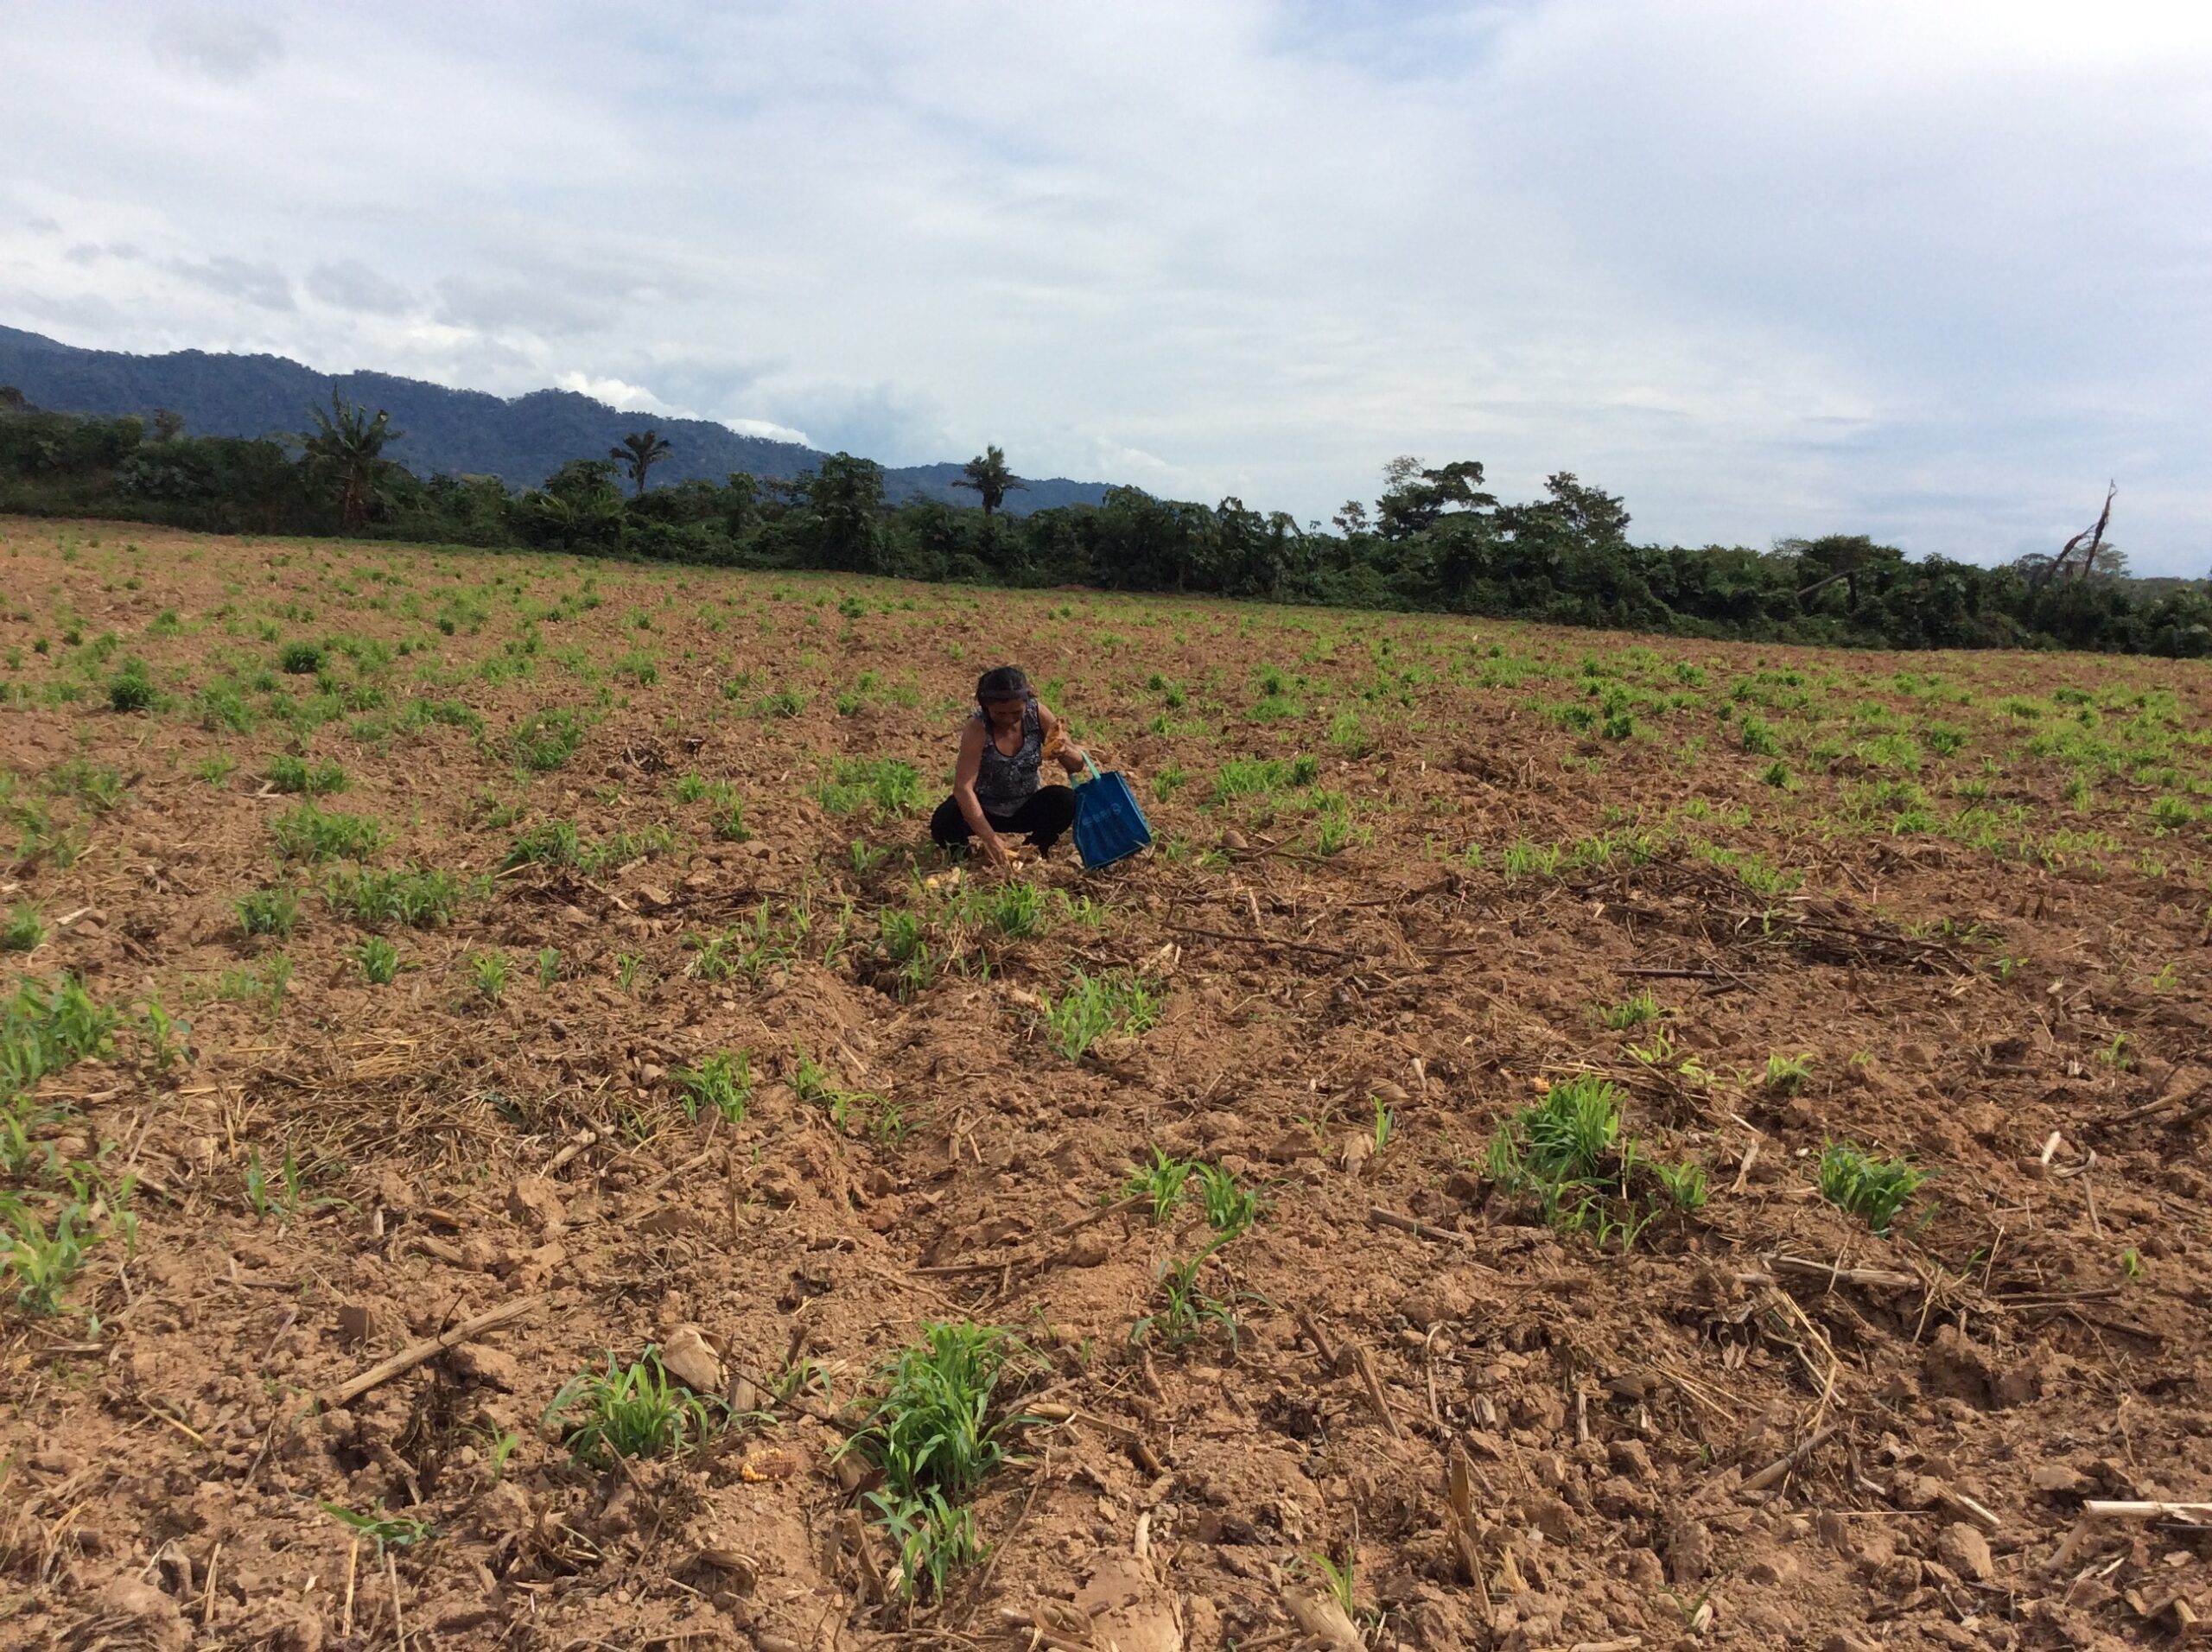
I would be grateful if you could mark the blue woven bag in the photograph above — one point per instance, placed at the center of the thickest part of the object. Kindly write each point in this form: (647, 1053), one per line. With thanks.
(1109, 825)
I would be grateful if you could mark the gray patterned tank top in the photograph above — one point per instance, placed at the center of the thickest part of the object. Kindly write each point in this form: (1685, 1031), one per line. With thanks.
(1004, 783)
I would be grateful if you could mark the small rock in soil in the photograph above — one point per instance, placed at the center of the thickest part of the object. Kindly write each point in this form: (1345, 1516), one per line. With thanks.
(490, 1367)
(152, 1613)
(1689, 1552)
(502, 1510)
(534, 1202)
(1772, 1568)
(1551, 1517)
(2058, 1479)
(1086, 1251)
(1966, 1551)
(1629, 1457)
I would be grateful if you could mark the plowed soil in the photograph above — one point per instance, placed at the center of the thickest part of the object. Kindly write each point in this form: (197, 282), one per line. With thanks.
(1962, 898)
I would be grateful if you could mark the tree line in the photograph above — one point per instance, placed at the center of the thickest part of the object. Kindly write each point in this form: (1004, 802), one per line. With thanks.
(1433, 539)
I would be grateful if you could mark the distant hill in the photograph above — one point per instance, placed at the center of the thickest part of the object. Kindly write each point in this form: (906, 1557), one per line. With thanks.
(462, 432)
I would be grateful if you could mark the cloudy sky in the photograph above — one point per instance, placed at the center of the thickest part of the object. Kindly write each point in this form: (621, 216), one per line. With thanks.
(1930, 270)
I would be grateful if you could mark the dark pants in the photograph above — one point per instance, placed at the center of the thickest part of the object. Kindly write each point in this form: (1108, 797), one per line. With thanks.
(1044, 814)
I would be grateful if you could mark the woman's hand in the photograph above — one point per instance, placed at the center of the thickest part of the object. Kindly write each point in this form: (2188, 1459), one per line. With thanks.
(995, 849)
(1058, 746)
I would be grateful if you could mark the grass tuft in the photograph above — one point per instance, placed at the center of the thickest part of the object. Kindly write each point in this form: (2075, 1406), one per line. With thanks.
(637, 1411)
(1093, 1006)
(721, 1082)
(309, 833)
(930, 1433)
(290, 773)
(267, 912)
(1160, 1183)
(1876, 1189)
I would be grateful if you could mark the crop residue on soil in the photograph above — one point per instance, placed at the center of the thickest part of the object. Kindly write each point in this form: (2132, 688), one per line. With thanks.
(1415, 1191)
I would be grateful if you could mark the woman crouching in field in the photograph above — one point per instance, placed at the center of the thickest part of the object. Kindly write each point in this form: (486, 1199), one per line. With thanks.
(996, 790)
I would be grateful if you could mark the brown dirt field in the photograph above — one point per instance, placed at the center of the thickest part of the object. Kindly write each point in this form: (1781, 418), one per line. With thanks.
(1989, 944)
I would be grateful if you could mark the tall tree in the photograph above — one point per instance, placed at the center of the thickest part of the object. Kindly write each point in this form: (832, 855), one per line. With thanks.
(639, 452)
(1413, 498)
(844, 507)
(987, 476)
(346, 450)
(742, 502)
(1850, 557)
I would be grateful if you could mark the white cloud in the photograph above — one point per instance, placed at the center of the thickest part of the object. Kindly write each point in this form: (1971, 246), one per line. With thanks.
(261, 284)
(631, 399)
(1932, 272)
(225, 45)
(769, 429)
(350, 284)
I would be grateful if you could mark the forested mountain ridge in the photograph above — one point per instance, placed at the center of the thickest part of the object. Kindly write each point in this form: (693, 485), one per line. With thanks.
(456, 432)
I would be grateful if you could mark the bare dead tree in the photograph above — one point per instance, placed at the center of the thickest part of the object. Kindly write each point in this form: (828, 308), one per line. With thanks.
(2095, 535)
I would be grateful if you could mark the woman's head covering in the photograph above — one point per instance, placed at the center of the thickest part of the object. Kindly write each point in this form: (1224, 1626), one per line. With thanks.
(1001, 682)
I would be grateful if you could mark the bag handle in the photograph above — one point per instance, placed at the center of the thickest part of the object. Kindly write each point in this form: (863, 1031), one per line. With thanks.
(1092, 766)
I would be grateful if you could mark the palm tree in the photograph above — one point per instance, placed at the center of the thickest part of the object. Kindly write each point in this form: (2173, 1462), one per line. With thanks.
(347, 448)
(638, 453)
(987, 476)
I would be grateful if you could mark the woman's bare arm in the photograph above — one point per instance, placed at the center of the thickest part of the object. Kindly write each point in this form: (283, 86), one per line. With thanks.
(965, 768)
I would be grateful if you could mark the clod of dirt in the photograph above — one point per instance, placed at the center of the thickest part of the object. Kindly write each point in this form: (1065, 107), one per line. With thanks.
(1128, 1608)
(534, 1202)
(1689, 1552)
(1629, 1457)
(1085, 1250)
(1957, 1369)
(687, 1356)
(778, 1186)
(151, 1614)
(281, 1626)
(1443, 1300)
(489, 1367)
(1771, 1566)
(618, 1514)
(393, 1192)
(2058, 1480)
(1954, 1367)
(1966, 1551)
(1551, 1516)
(504, 1510)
